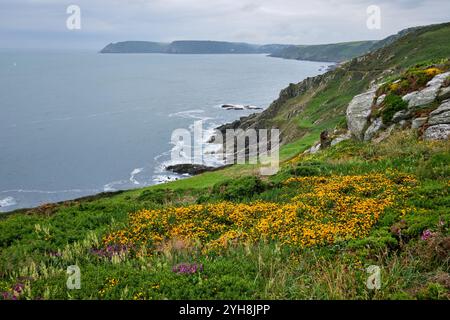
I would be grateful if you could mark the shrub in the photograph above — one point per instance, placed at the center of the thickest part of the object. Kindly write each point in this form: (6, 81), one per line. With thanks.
(158, 196)
(434, 291)
(310, 169)
(238, 189)
(392, 104)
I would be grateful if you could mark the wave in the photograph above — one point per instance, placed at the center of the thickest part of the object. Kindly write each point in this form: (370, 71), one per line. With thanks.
(49, 192)
(133, 175)
(7, 202)
(190, 114)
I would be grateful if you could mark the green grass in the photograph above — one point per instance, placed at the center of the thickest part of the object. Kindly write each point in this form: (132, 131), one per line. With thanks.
(410, 267)
(37, 245)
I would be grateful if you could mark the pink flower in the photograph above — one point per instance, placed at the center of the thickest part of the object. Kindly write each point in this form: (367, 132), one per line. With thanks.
(427, 234)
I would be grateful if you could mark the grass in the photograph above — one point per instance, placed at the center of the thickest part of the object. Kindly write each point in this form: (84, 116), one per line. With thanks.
(390, 201)
(37, 247)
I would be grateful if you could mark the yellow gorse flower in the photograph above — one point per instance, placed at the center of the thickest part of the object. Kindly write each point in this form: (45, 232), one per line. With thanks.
(324, 211)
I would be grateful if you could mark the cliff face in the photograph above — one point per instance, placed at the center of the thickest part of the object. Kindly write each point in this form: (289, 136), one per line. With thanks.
(320, 103)
(191, 47)
(135, 47)
(336, 52)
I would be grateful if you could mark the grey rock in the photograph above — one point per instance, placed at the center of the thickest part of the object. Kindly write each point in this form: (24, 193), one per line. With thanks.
(401, 115)
(232, 107)
(444, 93)
(427, 95)
(403, 124)
(441, 115)
(418, 122)
(384, 134)
(315, 149)
(191, 169)
(437, 132)
(358, 113)
(340, 138)
(420, 98)
(376, 125)
(438, 80)
(380, 100)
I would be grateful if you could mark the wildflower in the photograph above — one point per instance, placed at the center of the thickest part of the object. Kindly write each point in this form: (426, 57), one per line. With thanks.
(324, 210)
(427, 234)
(187, 268)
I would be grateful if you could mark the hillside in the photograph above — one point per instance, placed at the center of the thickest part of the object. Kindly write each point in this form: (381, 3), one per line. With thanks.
(335, 52)
(305, 109)
(309, 232)
(135, 47)
(191, 47)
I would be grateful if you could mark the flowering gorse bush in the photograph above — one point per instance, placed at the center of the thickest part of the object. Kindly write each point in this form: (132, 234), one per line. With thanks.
(325, 210)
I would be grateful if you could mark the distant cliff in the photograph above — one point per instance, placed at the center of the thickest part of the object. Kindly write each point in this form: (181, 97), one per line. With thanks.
(335, 52)
(192, 47)
(136, 47)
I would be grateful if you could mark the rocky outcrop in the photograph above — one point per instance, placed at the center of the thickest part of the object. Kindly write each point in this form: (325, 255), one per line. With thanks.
(373, 129)
(343, 137)
(428, 94)
(363, 126)
(441, 115)
(325, 140)
(439, 123)
(190, 169)
(358, 113)
(418, 123)
(240, 107)
(444, 93)
(437, 132)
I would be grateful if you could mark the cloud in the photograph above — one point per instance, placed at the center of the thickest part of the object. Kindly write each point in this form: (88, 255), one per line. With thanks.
(25, 23)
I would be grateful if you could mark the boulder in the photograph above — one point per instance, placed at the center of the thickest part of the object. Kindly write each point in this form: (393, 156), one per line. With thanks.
(437, 132)
(325, 140)
(418, 122)
(420, 98)
(190, 169)
(358, 113)
(444, 93)
(340, 138)
(232, 107)
(441, 115)
(428, 94)
(380, 100)
(401, 115)
(384, 134)
(438, 80)
(376, 125)
(315, 149)
(403, 124)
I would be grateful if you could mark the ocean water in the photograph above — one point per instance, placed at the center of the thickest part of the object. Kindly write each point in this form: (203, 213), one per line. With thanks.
(75, 124)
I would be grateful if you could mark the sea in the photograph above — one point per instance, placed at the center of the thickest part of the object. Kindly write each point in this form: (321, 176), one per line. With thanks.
(74, 124)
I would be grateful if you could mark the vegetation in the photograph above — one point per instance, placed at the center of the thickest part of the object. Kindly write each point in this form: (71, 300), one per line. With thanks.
(391, 105)
(308, 232)
(335, 52)
(299, 235)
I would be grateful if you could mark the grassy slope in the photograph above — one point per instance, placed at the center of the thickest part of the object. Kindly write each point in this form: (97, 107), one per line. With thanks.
(336, 52)
(412, 268)
(303, 111)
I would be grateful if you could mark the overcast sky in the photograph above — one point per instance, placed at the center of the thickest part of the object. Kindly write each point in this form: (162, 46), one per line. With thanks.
(42, 23)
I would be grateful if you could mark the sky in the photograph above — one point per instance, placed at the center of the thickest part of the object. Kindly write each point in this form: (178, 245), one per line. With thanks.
(42, 23)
